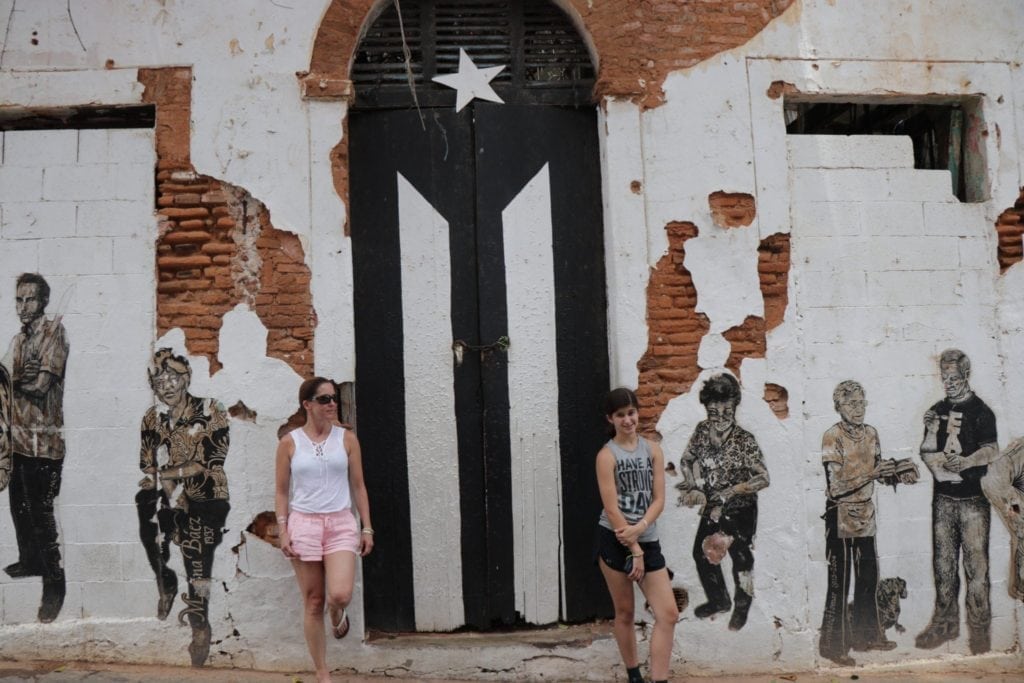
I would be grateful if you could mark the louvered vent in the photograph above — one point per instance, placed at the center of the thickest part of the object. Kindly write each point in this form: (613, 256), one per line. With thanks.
(546, 60)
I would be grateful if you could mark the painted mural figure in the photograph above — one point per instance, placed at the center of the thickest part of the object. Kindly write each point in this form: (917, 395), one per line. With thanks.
(852, 456)
(184, 496)
(1003, 485)
(631, 480)
(959, 443)
(5, 428)
(723, 469)
(36, 360)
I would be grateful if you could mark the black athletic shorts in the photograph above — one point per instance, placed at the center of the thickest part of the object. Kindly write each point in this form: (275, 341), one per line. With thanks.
(618, 557)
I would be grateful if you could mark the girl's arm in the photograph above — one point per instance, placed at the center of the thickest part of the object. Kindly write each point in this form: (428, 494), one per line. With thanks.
(282, 486)
(359, 495)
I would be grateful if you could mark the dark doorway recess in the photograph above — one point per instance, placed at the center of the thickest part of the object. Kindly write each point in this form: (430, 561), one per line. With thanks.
(941, 132)
(469, 166)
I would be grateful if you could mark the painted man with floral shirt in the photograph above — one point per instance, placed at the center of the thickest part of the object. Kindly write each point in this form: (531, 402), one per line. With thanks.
(723, 469)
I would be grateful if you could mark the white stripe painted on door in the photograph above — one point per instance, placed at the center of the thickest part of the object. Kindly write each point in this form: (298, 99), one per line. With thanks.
(431, 441)
(533, 400)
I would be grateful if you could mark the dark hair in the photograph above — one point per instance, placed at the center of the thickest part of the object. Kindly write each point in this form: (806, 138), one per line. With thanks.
(719, 389)
(617, 399)
(958, 358)
(307, 390)
(164, 360)
(37, 280)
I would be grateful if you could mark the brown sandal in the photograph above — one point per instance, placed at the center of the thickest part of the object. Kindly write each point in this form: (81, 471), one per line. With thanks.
(340, 629)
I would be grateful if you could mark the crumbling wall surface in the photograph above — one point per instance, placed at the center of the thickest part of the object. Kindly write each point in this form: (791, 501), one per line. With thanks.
(638, 43)
(837, 266)
(884, 269)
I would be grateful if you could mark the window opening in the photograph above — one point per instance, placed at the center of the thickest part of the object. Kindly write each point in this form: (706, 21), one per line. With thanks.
(941, 133)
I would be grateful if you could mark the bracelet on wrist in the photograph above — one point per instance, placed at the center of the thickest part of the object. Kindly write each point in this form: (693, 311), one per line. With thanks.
(368, 530)
(637, 555)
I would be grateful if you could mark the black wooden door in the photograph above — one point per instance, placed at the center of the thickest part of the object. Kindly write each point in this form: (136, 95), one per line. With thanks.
(469, 169)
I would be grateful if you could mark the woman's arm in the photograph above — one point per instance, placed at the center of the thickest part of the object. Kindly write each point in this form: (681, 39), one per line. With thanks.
(358, 487)
(282, 486)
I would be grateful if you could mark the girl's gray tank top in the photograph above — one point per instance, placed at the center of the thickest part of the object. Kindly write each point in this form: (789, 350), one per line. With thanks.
(634, 483)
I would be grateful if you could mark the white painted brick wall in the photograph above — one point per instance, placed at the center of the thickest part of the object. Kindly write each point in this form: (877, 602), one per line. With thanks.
(20, 184)
(850, 151)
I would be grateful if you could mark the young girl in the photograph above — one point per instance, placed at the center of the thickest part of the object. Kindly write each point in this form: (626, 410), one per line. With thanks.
(631, 479)
(319, 477)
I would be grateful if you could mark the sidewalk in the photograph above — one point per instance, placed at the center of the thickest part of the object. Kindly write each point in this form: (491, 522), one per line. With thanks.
(73, 672)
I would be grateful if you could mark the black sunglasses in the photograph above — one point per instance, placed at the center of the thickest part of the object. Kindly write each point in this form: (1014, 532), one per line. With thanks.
(324, 399)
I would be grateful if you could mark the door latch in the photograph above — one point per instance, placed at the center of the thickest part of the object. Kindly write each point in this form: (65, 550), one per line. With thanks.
(459, 347)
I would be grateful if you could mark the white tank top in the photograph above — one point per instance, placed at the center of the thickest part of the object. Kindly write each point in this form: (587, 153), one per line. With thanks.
(320, 473)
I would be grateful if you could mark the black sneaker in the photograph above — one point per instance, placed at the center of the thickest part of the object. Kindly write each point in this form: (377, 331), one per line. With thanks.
(17, 570)
(710, 609)
(933, 636)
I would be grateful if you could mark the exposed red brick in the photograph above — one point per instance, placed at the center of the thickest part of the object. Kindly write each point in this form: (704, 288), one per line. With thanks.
(1010, 231)
(779, 88)
(203, 260)
(669, 366)
(731, 209)
(773, 256)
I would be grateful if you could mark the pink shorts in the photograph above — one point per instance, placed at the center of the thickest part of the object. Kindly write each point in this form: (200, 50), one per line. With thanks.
(314, 535)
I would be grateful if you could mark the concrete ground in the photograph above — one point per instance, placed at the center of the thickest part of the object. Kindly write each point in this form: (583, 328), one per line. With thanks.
(72, 672)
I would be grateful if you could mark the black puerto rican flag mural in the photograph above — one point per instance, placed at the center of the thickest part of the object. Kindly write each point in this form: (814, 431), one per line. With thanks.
(485, 226)
(480, 315)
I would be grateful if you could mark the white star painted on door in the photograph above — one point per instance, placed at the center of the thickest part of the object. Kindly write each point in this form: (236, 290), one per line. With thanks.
(471, 82)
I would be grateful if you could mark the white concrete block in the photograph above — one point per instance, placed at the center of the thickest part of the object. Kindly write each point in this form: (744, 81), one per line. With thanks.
(855, 184)
(76, 256)
(850, 151)
(116, 146)
(102, 521)
(119, 599)
(117, 218)
(977, 252)
(37, 220)
(810, 219)
(893, 218)
(20, 184)
(92, 561)
(16, 257)
(99, 181)
(907, 288)
(907, 253)
(21, 602)
(833, 254)
(41, 148)
(927, 185)
(105, 292)
(948, 218)
(827, 289)
(135, 256)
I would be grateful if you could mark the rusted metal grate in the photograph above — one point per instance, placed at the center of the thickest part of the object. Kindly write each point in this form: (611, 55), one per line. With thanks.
(545, 58)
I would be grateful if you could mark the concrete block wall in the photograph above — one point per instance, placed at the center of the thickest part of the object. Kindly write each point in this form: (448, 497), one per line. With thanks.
(77, 207)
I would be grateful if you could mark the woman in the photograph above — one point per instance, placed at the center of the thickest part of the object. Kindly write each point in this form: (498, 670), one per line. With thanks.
(631, 479)
(319, 468)
(723, 469)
